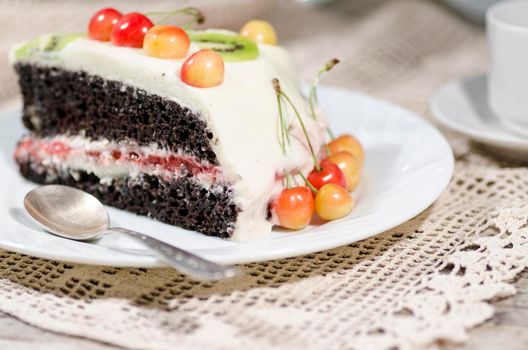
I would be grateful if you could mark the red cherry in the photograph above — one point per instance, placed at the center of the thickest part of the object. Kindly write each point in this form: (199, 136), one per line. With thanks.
(329, 173)
(130, 30)
(101, 24)
(294, 207)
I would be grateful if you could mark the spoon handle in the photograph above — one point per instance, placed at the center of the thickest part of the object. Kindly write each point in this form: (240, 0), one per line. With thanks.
(183, 261)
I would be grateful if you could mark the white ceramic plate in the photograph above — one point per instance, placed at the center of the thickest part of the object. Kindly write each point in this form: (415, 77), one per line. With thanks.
(462, 105)
(408, 164)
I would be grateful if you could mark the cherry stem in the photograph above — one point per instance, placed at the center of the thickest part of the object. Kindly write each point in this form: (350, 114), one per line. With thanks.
(280, 140)
(308, 183)
(312, 97)
(197, 16)
(330, 133)
(278, 90)
(279, 129)
(284, 135)
(316, 163)
(327, 151)
(288, 180)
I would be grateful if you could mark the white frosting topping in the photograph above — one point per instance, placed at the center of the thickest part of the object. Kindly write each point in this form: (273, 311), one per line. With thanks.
(242, 113)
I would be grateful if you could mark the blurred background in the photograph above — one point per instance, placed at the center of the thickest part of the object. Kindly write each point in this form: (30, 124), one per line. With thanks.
(385, 45)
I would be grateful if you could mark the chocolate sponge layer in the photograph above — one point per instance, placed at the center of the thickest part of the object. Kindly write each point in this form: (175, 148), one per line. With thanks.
(58, 101)
(182, 201)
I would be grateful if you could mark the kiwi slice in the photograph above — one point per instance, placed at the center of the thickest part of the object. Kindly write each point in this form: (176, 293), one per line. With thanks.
(231, 47)
(44, 45)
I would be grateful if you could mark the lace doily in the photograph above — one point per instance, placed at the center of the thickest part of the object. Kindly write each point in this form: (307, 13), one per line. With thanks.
(428, 280)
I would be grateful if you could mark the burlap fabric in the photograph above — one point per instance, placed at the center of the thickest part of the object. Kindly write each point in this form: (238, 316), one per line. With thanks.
(425, 281)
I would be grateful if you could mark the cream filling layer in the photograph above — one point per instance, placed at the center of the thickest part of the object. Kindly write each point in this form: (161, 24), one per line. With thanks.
(109, 160)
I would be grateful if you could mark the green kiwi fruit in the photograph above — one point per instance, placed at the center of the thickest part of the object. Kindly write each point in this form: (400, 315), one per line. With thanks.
(231, 47)
(44, 45)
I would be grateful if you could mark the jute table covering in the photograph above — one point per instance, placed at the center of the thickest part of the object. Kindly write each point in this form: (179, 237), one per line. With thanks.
(425, 281)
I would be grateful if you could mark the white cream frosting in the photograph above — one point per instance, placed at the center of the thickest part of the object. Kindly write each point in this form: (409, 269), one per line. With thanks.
(241, 112)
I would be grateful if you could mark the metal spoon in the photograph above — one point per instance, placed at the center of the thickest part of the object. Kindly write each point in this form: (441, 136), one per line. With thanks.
(77, 215)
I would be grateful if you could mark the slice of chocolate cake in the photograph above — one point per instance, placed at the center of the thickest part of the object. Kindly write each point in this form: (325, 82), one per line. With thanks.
(123, 126)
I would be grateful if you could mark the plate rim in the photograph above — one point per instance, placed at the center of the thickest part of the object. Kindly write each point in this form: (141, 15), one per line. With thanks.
(485, 137)
(150, 261)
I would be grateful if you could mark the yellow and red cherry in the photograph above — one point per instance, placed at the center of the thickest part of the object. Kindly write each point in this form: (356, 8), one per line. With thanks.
(328, 173)
(169, 42)
(130, 30)
(203, 69)
(259, 31)
(102, 22)
(333, 202)
(294, 207)
(349, 165)
(348, 143)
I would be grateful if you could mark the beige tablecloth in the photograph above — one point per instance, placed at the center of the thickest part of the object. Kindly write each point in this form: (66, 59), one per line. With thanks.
(425, 281)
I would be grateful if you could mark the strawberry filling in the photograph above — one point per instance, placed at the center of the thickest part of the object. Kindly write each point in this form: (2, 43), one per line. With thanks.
(173, 163)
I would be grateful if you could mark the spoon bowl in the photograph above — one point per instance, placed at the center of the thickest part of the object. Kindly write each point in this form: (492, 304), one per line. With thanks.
(67, 212)
(75, 214)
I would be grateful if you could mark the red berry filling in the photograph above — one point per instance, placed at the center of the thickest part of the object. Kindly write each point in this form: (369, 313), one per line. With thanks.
(37, 149)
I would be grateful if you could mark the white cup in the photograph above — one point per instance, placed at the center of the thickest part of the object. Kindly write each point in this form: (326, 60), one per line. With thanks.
(507, 25)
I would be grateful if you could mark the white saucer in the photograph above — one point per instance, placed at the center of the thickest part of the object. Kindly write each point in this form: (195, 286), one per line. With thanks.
(462, 105)
(408, 164)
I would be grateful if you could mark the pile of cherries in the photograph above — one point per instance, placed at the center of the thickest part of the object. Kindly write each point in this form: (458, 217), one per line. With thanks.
(328, 186)
(204, 68)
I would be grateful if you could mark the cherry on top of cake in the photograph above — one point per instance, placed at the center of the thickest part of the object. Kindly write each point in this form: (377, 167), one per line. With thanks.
(203, 68)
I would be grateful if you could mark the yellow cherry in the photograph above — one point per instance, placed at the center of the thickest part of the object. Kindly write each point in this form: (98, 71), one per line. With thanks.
(348, 143)
(169, 42)
(203, 69)
(349, 165)
(259, 31)
(333, 202)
